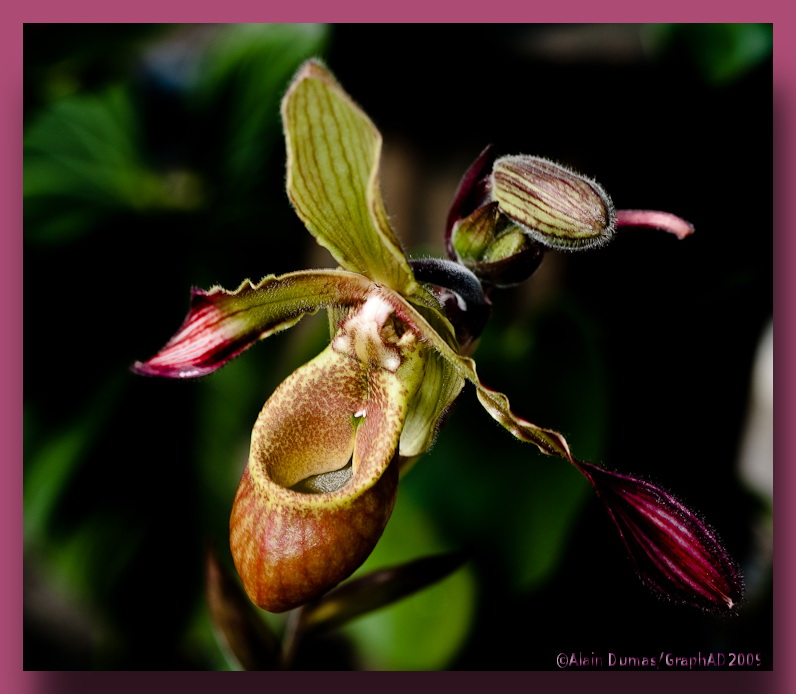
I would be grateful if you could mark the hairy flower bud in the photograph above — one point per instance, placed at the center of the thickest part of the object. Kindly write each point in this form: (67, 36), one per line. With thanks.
(555, 206)
(481, 238)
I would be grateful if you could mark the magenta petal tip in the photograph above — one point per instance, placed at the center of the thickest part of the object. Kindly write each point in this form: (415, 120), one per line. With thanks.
(652, 219)
(674, 551)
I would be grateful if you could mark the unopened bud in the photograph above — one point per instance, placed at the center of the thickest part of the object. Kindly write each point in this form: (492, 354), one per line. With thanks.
(496, 249)
(554, 205)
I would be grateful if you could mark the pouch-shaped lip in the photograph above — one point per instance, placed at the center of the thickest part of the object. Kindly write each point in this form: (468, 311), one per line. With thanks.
(290, 546)
(289, 554)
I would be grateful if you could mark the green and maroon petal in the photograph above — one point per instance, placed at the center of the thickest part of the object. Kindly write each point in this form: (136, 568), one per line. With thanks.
(674, 551)
(221, 324)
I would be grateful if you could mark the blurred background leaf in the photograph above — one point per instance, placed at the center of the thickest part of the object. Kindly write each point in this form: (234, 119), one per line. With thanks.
(83, 164)
(721, 52)
(154, 161)
(130, 174)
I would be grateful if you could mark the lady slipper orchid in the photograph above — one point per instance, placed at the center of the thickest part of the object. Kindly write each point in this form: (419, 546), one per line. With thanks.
(328, 445)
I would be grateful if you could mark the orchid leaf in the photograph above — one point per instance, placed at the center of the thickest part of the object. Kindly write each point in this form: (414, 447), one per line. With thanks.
(333, 178)
(377, 589)
(427, 629)
(222, 324)
(242, 632)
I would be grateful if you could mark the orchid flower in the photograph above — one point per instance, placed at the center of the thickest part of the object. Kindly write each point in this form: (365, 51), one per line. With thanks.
(329, 444)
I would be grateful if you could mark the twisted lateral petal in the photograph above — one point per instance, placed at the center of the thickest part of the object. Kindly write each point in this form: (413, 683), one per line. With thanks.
(290, 546)
(495, 403)
(222, 324)
(333, 178)
(673, 550)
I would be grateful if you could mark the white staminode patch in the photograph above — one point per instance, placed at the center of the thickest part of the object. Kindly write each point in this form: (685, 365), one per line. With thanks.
(342, 343)
(391, 362)
(361, 335)
(374, 310)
